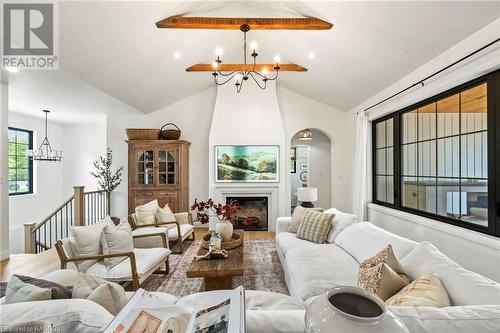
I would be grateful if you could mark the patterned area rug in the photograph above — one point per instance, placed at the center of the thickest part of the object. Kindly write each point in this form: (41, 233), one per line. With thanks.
(262, 271)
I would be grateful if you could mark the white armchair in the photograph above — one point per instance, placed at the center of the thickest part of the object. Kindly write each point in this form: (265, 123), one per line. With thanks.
(282, 224)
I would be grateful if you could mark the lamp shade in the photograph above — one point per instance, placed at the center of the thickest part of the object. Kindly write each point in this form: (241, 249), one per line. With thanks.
(308, 194)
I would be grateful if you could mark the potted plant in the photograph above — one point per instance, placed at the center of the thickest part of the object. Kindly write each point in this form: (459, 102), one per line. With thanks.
(224, 213)
(107, 180)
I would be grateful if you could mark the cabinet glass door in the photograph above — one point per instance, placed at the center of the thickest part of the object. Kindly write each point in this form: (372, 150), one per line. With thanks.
(145, 166)
(167, 167)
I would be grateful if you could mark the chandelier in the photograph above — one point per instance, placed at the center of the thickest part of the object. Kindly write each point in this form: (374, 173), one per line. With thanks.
(243, 75)
(45, 152)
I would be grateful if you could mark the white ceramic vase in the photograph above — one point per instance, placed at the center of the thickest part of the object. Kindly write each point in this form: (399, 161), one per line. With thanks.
(351, 310)
(225, 229)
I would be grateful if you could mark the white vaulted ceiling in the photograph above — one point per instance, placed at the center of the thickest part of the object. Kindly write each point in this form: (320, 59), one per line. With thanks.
(116, 47)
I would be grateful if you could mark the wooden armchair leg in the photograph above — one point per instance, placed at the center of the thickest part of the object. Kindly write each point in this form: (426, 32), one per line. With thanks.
(135, 283)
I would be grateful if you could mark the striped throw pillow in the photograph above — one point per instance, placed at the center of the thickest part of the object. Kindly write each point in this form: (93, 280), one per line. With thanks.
(315, 226)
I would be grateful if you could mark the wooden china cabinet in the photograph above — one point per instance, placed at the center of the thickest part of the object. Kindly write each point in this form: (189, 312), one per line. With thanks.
(158, 169)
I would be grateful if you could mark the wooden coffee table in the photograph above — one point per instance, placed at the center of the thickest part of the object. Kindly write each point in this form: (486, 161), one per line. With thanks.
(218, 273)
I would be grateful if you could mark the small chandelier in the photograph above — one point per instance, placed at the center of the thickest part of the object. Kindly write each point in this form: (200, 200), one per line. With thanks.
(305, 135)
(244, 75)
(45, 152)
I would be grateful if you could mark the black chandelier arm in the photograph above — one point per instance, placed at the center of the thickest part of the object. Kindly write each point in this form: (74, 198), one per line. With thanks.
(228, 74)
(277, 73)
(223, 83)
(239, 86)
(257, 82)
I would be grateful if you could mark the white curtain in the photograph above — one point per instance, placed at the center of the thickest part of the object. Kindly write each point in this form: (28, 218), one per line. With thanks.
(360, 167)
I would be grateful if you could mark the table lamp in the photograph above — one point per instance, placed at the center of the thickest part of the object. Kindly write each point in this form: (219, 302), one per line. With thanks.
(307, 195)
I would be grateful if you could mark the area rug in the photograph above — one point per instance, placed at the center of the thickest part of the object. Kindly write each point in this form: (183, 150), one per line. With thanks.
(262, 271)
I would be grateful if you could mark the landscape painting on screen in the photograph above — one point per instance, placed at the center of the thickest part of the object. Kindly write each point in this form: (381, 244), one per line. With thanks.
(247, 163)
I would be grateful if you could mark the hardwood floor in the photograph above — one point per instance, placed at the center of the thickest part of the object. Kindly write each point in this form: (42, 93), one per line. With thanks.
(37, 265)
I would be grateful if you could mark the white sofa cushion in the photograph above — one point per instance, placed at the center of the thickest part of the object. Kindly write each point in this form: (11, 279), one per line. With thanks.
(145, 259)
(287, 240)
(454, 319)
(464, 287)
(149, 242)
(185, 229)
(363, 240)
(116, 240)
(146, 214)
(86, 241)
(282, 224)
(340, 221)
(62, 315)
(316, 269)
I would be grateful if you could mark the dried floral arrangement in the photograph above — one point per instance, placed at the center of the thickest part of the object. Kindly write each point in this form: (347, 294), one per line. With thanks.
(222, 212)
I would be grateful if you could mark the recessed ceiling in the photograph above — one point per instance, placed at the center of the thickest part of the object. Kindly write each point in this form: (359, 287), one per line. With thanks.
(116, 47)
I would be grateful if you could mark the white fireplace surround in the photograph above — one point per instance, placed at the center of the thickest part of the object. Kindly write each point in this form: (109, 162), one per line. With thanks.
(220, 194)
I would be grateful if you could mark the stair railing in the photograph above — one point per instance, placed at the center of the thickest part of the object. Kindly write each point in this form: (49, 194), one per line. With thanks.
(78, 210)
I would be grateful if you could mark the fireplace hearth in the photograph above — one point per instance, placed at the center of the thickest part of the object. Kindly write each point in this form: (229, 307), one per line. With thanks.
(253, 213)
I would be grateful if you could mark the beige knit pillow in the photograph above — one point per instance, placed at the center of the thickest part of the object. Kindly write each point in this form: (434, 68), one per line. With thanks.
(298, 214)
(315, 226)
(382, 274)
(426, 290)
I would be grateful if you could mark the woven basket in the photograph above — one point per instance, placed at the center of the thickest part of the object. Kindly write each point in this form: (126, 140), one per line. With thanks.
(170, 134)
(143, 134)
(235, 241)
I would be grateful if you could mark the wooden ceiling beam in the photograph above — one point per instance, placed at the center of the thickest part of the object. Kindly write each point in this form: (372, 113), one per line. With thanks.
(241, 67)
(234, 23)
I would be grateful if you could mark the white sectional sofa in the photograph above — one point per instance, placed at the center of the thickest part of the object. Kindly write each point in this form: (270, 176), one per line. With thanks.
(313, 269)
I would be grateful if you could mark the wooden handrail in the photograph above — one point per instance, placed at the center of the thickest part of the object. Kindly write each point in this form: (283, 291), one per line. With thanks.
(38, 225)
(96, 191)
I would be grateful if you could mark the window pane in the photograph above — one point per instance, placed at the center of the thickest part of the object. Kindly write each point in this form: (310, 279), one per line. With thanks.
(448, 204)
(389, 130)
(410, 192)
(381, 188)
(427, 195)
(390, 161)
(20, 167)
(390, 189)
(409, 157)
(427, 122)
(476, 202)
(474, 155)
(22, 174)
(380, 161)
(448, 116)
(12, 136)
(23, 186)
(409, 133)
(23, 137)
(427, 158)
(380, 134)
(473, 105)
(449, 157)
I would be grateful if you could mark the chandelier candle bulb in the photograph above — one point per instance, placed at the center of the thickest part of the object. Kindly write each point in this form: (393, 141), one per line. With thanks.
(254, 45)
(218, 52)
(277, 59)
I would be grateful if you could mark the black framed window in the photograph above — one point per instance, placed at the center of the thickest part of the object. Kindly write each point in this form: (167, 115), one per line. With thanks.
(20, 166)
(444, 157)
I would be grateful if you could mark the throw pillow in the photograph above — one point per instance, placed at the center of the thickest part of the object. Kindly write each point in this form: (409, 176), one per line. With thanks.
(58, 291)
(116, 240)
(164, 214)
(19, 291)
(339, 223)
(86, 242)
(109, 295)
(315, 226)
(146, 214)
(426, 290)
(382, 274)
(298, 214)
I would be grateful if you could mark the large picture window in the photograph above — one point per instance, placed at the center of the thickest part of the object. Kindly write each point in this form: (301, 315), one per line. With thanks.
(444, 160)
(20, 166)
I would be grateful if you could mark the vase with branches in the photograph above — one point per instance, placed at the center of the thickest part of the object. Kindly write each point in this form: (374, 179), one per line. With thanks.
(224, 213)
(107, 180)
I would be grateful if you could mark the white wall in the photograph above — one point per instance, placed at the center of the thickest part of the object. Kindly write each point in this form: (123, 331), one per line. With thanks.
(472, 250)
(48, 182)
(299, 112)
(193, 115)
(83, 144)
(4, 173)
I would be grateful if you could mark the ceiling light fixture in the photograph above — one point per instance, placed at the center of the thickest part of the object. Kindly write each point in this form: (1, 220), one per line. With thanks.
(249, 70)
(45, 152)
(177, 55)
(305, 135)
(311, 55)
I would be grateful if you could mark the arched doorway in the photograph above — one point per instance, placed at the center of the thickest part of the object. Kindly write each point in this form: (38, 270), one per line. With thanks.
(311, 166)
